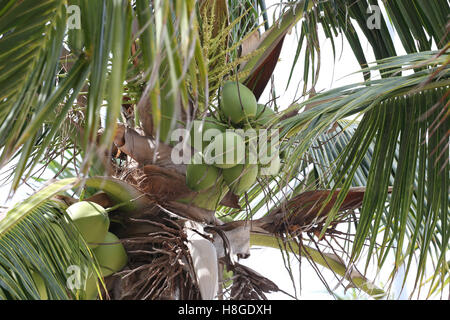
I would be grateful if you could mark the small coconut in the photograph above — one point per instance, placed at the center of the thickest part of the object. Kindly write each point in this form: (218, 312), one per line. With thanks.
(201, 176)
(267, 152)
(91, 220)
(272, 168)
(226, 150)
(204, 131)
(241, 177)
(208, 199)
(238, 102)
(111, 255)
(263, 115)
(89, 288)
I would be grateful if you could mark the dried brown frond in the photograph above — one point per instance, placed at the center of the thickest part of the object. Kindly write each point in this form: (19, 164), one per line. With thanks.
(248, 284)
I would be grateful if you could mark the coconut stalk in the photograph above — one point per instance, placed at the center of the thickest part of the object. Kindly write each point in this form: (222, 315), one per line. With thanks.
(329, 261)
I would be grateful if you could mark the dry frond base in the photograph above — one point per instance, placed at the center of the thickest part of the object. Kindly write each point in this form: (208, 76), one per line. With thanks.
(159, 267)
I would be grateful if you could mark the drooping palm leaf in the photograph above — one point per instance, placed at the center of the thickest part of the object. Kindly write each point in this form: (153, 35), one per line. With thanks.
(28, 58)
(420, 25)
(327, 151)
(330, 261)
(392, 119)
(50, 94)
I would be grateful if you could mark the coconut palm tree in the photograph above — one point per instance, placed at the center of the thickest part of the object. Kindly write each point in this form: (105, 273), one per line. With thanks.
(93, 92)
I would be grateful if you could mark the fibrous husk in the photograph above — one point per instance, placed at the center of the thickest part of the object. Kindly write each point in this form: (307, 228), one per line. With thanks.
(159, 266)
(248, 284)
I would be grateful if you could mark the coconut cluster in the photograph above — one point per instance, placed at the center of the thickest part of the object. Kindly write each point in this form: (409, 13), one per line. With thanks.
(222, 151)
(92, 222)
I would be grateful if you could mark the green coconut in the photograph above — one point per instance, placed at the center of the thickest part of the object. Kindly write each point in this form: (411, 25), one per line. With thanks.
(267, 152)
(201, 176)
(272, 168)
(226, 150)
(40, 284)
(208, 199)
(264, 114)
(91, 220)
(205, 131)
(89, 287)
(241, 177)
(111, 255)
(238, 102)
(227, 277)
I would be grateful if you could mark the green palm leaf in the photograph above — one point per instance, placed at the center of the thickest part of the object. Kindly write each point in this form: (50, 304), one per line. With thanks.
(396, 127)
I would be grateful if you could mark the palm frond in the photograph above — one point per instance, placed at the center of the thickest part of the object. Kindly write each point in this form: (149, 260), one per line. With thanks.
(54, 77)
(419, 24)
(400, 126)
(30, 44)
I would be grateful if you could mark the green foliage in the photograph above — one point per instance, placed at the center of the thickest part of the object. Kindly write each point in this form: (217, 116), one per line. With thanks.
(404, 154)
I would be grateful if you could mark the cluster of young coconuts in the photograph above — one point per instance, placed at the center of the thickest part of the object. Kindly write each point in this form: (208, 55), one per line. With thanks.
(92, 222)
(238, 110)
